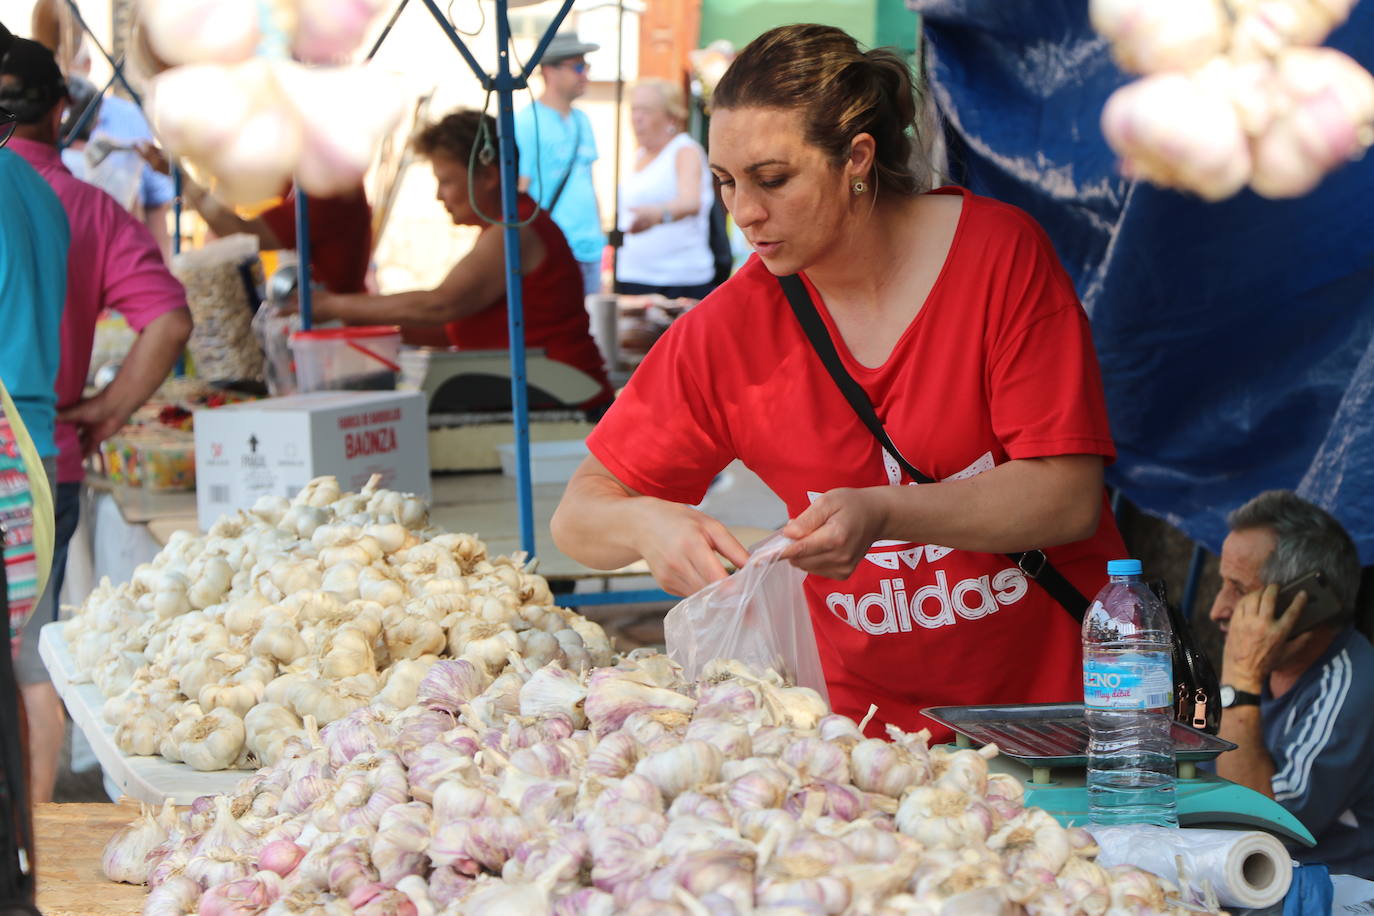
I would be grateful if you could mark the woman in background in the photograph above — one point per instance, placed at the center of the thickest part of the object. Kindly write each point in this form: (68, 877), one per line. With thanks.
(469, 304)
(665, 203)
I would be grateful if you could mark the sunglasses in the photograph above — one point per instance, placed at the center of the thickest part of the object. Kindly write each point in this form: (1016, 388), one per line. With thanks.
(576, 66)
(8, 120)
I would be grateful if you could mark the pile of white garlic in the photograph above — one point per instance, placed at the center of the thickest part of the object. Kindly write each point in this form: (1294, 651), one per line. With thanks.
(216, 651)
(1236, 93)
(543, 792)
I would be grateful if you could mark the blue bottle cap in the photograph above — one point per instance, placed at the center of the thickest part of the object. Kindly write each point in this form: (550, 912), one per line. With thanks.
(1123, 568)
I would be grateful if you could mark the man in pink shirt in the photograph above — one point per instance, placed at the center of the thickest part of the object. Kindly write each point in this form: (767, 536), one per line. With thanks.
(114, 263)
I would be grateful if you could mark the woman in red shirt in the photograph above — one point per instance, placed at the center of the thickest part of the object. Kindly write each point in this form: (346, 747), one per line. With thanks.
(954, 316)
(469, 305)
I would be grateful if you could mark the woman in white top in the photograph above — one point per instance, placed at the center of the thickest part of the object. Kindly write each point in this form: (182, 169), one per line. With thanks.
(665, 203)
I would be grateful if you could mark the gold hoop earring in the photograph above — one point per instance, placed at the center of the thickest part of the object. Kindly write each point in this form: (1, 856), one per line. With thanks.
(859, 188)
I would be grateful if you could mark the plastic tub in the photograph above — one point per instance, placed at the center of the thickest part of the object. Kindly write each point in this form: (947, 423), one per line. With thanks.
(550, 462)
(347, 359)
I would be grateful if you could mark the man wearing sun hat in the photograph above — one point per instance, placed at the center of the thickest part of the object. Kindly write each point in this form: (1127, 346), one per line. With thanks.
(557, 150)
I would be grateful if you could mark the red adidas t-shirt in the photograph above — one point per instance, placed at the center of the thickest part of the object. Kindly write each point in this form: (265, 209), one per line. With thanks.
(997, 365)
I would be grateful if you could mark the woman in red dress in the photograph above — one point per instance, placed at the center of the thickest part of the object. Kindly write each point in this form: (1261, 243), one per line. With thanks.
(469, 304)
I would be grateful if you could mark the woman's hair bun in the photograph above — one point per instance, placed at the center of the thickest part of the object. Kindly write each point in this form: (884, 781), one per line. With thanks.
(840, 90)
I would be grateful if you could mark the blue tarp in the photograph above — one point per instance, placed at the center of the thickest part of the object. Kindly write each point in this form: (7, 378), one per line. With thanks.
(1235, 338)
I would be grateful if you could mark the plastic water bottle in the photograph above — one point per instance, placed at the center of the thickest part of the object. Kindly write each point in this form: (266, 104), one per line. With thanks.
(1128, 699)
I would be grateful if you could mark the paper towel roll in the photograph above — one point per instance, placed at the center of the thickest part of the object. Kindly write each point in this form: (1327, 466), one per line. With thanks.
(1246, 868)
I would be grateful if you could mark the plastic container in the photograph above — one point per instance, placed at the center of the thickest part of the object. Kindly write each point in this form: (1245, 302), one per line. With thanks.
(164, 459)
(1128, 700)
(347, 359)
(550, 462)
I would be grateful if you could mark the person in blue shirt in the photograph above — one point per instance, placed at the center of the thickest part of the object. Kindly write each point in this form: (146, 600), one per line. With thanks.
(557, 150)
(1297, 698)
(34, 238)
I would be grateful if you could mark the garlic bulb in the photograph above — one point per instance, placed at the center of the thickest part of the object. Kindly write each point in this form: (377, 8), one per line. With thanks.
(1179, 130)
(141, 735)
(1264, 28)
(213, 741)
(878, 766)
(1325, 119)
(237, 698)
(554, 691)
(401, 684)
(1149, 36)
(1226, 104)
(687, 766)
(280, 643)
(612, 698)
(191, 31)
(125, 854)
(347, 652)
(267, 726)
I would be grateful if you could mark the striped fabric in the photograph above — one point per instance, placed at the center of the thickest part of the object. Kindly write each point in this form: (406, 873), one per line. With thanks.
(1315, 731)
(1320, 736)
(16, 519)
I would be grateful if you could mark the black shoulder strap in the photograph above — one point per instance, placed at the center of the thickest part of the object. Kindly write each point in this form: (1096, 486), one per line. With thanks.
(1033, 563)
(572, 163)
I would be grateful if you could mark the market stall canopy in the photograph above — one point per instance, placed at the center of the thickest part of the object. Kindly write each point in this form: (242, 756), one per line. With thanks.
(1235, 338)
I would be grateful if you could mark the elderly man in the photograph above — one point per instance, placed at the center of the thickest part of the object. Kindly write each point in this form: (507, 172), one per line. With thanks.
(113, 263)
(1297, 693)
(557, 150)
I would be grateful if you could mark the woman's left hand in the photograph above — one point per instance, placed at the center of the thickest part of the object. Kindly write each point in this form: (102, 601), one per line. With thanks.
(835, 532)
(645, 218)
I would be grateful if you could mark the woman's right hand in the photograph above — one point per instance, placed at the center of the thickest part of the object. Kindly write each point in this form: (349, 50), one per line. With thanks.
(604, 524)
(683, 546)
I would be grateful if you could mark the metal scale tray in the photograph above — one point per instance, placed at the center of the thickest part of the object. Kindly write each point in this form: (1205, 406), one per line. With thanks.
(1054, 734)
(1045, 744)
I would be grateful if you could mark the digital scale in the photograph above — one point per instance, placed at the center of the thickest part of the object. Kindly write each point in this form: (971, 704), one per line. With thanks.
(467, 393)
(1046, 745)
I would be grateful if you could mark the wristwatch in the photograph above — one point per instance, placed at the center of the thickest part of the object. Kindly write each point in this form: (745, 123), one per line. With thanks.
(1230, 697)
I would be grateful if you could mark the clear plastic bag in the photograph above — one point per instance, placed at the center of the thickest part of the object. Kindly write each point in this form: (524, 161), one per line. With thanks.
(1242, 868)
(758, 615)
(273, 326)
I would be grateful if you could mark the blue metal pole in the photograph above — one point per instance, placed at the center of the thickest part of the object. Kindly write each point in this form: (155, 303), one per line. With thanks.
(117, 67)
(176, 209)
(538, 54)
(515, 300)
(596, 599)
(303, 257)
(505, 85)
(448, 29)
(176, 244)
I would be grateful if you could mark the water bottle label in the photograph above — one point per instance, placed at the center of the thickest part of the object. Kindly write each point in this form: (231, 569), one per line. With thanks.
(1128, 681)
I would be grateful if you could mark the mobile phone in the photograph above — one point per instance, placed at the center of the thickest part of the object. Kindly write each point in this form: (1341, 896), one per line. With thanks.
(1322, 604)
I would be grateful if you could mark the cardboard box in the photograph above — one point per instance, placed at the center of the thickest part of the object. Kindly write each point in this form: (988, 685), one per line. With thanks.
(274, 447)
